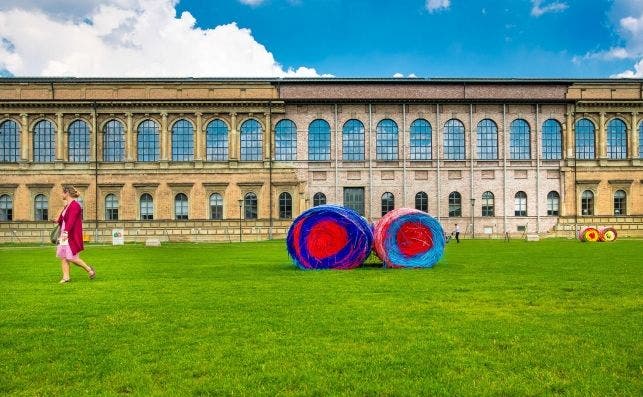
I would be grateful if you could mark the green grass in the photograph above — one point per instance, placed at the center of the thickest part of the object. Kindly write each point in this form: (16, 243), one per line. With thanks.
(556, 317)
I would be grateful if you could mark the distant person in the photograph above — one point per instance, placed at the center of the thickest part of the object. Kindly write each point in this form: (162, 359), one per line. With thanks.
(70, 243)
(457, 233)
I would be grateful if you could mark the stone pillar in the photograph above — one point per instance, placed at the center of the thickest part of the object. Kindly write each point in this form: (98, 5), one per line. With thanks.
(601, 142)
(130, 153)
(634, 137)
(267, 136)
(568, 132)
(233, 140)
(199, 141)
(164, 138)
(60, 138)
(24, 137)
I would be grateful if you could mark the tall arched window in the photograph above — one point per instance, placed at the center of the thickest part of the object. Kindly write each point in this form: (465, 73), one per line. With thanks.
(251, 141)
(181, 207)
(113, 141)
(587, 203)
(552, 140)
(519, 140)
(387, 140)
(78, 142)
(488, 205)
(250, 205)
(620, 203)
(6, 208)
(616, 140)
(111, 207)
(422, 201)
(420, 140)
(41, 207)
(216, 206)
(553, 203)
(641, 140)
(285, 140)
(44, 142)
(147, 207)
(182, 141)
(585, 148)
(487, 140)
(148, 141)
(455, 204)
(319, 140)
(319, 199)
(454, 140)
(520, 204)
(9, 142)
(285, 206)
(388, 203)
(216, 141)
(353, 140)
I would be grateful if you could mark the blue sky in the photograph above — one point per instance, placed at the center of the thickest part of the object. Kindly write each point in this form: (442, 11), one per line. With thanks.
(359, 38)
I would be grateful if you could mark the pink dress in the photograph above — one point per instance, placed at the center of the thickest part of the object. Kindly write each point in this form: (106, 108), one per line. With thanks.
(63, 251)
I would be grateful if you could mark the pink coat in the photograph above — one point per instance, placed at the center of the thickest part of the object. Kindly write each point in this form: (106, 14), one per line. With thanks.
(73, 226)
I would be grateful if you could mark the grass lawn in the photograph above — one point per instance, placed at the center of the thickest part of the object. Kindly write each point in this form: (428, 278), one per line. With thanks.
(492, 318)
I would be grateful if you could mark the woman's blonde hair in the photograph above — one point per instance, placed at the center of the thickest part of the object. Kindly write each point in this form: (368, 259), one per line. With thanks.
(71, 190)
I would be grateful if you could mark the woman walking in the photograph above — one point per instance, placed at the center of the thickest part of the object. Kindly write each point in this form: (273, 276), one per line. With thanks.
(71, 235)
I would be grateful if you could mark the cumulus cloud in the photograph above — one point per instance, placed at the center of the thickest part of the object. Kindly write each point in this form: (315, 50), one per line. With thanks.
(132, 38)
(538, 8)
(437, 5)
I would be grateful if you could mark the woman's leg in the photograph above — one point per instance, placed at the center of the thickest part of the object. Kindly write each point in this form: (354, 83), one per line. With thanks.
(64, 265)
(81, 263)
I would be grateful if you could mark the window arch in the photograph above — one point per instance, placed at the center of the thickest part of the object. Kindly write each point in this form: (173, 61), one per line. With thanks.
(585, 138)
(454, 140)
(216, 141)
(78, 150)
(182, 141)
(587, 203)
(44, 142)
(319, 140)
(641, 140)
(387, 140)
(6, 208)
(420, 140)
(553, 203)
(111, 207)
(148, 141)
(181, 207)
(487, 140)
(552, 140)
(286, 140)
(520, 204)
(388, 203)
(319, 199)
(251, 141)
(519, 140)
(41, 207)
(9, 142)
(285, 206)
(146, 206)
(488, 204)
(113, 141)
(353, 140)
(216, 206)
(250, 204)
(616, 140)
(455, 204)
(422, 201)
(620, 202)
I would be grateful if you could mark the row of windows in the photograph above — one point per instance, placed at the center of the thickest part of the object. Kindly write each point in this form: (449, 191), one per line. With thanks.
(319, 138)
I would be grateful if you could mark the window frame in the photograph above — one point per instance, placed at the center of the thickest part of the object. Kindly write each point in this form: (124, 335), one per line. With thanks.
(319, 198)
(113, 141)
(9, 141)
(421, 140)
(519, 140)
(251, 141)
(6, 207)
(387, 202)
(487, 139)
(454, 140)
(181, 207)
(553, 203)
(455, 204)
(182, 140)
(319, 140)
(520, 204)
(587, 203)
(111, 212)
(215, 209)
(552, 140)
(353, 142)
(616, 139)
(488, 208)
(422, 201)
(148, 147)
(285, 140)
(387, 137)
(285, 205)
(44, 142)
(585, 139)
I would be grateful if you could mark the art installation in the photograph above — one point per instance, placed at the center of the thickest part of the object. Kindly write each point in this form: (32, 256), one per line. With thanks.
(329, 237)
(409, 238)
(592, 234)
(608, 234)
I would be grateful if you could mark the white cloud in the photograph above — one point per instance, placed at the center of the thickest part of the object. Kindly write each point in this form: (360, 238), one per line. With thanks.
(252, 3)
(636, 73)
(538, 8)
(399, 75)
(130, 38)
(437, 5)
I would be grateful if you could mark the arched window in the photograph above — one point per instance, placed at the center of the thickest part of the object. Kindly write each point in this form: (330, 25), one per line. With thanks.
(488, 204)
(420, 140)
(388, 203)
(387, 140)
(216, 206)
(285, 206)
(181, 207)
(113, 141)
(620, 203)
(147, 207)
(487, 140)
(519, 140)
(454, 140)
(319, 140)
(455, 204)
(44, 143)
(520, 204)
(6, 208)
(78, 142)
(616, 139)
(251, 141)
(216, 141)
(148, 141)
(641, 140)
(319, 199)
(552, 140)
(9, 142)
(182, 141)
(111, 207)
(553, 203)
(285, 140)
(41, 207)
(585, 139)
(422, 201)
(587, 203)
(250, 204)
(353, 140)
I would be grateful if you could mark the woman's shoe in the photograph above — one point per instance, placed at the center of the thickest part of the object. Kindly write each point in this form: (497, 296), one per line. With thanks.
(64, 280)
(92, 273)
